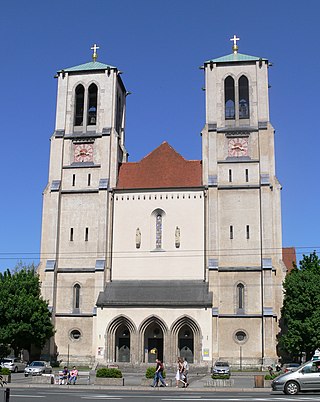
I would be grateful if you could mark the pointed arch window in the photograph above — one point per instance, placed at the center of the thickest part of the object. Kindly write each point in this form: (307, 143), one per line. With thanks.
(158, 230)
(76, 297)
(240, 296)
(78, 118)
(243, 97)
(92, 104)
(229, 98)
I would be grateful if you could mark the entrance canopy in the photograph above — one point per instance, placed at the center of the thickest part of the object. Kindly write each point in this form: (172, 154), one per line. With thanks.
(156, 293)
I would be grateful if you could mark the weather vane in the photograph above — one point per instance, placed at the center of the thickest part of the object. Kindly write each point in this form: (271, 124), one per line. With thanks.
(235, 47)
(95, 55)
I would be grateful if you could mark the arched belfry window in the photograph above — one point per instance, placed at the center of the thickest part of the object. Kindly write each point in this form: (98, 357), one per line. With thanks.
(229, 99)
(79, 107)
(92, 104)
(240, 296)
(243, 97)
(76, 297)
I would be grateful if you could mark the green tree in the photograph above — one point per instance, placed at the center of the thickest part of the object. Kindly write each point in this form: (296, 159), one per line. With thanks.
(300, 314)
(24, 316)
(4, 350)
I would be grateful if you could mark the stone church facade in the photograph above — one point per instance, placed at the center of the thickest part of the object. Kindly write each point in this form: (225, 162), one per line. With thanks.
(164, 257)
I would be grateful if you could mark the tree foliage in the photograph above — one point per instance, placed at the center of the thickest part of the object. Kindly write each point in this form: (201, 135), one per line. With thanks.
(24, 316)
(300, 314)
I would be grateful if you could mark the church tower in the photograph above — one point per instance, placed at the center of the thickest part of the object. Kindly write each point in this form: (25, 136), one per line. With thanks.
(87, 147)
(243, 220)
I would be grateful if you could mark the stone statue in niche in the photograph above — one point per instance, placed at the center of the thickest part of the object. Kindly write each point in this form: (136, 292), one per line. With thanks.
(138, 238)
(177, 237)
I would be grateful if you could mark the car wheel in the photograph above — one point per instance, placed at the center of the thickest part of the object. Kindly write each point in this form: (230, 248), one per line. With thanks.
(15, 369)
(26, 375)
(291, 388)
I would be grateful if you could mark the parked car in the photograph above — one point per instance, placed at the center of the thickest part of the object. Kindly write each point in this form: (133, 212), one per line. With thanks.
(13, 364)
(304, 378)
(38, 367)
(221, 367)
(290, 367)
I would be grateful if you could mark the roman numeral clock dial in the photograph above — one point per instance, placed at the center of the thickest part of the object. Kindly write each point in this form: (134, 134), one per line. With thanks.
(238, 147)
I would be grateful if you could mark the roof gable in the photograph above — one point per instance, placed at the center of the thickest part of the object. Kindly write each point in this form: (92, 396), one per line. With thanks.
(161, 168)
(91, 66)
(235, 57)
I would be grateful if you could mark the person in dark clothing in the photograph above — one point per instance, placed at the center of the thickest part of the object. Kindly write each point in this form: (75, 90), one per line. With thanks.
(158, 374)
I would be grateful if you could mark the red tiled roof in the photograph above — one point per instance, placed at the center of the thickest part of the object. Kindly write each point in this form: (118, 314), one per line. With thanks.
(289, 257)
(162, 168)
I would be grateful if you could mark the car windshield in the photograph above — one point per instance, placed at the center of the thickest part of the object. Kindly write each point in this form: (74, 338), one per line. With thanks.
(222, 364)
(7, 360)
(37, 364)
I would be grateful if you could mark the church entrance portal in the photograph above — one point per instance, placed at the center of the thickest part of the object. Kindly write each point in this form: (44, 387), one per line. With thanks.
(122, 345)
(153, 343)
(186, 343)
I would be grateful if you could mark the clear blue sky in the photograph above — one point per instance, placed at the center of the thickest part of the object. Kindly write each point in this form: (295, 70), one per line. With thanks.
(159, 46)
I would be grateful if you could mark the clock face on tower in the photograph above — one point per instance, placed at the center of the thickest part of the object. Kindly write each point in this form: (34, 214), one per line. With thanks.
(83, 153)
(238, 147)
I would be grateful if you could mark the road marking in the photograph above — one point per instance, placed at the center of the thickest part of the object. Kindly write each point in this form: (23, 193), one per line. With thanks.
(26, 396)
(105, 397)
(247, 398)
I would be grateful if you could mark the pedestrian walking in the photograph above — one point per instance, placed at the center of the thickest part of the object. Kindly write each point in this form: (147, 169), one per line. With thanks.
(179, 374)
(158, 374)
(185, 372)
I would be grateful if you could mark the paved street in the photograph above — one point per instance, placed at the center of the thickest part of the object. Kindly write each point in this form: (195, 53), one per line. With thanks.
(25, 389)
(74, 395)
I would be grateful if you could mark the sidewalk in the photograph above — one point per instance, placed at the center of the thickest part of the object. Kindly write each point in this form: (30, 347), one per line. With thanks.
(241, 382)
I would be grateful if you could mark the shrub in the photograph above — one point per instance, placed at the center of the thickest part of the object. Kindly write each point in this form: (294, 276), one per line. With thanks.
(151, 371)
(271, 377)
(220, 376)
(4, 371)
(108, 373)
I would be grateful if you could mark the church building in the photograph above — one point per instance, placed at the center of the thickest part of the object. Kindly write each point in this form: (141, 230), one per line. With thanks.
(163, 257)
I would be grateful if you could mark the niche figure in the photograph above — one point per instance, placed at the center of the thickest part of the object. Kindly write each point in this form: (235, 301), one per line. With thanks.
(138, 238)
(177, 237)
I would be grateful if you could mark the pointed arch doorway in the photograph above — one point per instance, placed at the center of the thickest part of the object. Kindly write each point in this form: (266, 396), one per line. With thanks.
(186, 338)
(122, 344)
(186, 343)
(153, 343)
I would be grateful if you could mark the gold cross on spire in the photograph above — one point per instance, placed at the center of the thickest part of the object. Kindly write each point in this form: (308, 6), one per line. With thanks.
(95, 55)
(235, 47)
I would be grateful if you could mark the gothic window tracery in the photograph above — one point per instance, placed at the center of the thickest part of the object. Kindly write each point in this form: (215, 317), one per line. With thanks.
(85, 107)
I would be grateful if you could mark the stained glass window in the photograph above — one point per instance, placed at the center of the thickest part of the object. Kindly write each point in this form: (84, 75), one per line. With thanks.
(159, 231)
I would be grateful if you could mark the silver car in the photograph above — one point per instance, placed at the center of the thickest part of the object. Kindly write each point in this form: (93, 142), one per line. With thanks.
(221, 367)
(38, 368)
(304, 378)
(13, 364)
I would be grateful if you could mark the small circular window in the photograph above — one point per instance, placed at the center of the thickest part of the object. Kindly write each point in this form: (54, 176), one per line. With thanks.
(241, 336)
(75, 334)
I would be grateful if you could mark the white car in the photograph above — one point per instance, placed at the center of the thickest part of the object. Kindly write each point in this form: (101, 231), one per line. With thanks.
(13, 364)
(38, 367)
